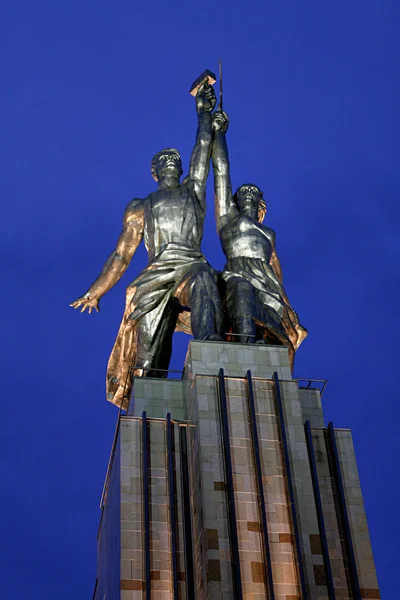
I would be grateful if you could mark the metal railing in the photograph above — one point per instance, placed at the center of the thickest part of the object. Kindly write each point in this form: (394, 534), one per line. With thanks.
(321, 389)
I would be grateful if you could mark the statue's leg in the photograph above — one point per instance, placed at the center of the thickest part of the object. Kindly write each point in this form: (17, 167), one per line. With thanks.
(200, 292)
(242, 307)
(154, 340)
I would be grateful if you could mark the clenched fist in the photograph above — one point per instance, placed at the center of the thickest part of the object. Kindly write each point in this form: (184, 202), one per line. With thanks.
(220, 121)
(205, 98)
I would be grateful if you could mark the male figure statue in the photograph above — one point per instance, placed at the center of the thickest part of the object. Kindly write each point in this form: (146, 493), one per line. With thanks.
(258, 307)
(178, 277)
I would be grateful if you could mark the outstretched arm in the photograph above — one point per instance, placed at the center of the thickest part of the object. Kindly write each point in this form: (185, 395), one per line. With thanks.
(118, 261)
(200, 159)
(224, 204)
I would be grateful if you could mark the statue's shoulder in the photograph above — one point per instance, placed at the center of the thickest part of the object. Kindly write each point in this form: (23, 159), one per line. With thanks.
(135, 209)
(137, 203)
(187, 181)
(270, 233)
(188, 184)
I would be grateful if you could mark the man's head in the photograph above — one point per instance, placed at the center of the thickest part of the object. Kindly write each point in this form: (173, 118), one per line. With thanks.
(166, 162)
(250, 201)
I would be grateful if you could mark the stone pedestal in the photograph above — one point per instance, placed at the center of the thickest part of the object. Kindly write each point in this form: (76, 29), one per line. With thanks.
(226, 484)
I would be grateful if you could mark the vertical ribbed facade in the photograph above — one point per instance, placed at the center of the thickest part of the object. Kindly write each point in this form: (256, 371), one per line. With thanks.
(228, 485)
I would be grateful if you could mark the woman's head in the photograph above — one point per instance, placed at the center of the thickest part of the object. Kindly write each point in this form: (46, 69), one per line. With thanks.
(250, 201)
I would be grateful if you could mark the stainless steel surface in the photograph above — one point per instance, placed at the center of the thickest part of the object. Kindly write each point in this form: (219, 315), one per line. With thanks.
(178, 277)
(178, 290)
(257, 304)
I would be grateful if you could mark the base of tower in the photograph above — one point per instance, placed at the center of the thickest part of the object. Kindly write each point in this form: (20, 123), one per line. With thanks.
(227, 484)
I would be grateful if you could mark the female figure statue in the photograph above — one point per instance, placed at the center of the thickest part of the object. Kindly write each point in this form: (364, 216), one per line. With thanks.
(258, 307)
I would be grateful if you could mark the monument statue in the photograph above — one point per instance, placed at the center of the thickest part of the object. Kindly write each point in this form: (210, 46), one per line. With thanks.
(258, 307)
(178, 289)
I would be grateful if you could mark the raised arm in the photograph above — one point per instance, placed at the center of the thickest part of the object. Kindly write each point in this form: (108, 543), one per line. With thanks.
(200, 159)
(118, 261)
(225, 207)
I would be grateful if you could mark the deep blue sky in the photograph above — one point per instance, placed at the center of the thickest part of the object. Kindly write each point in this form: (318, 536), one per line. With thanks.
(89, 91)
